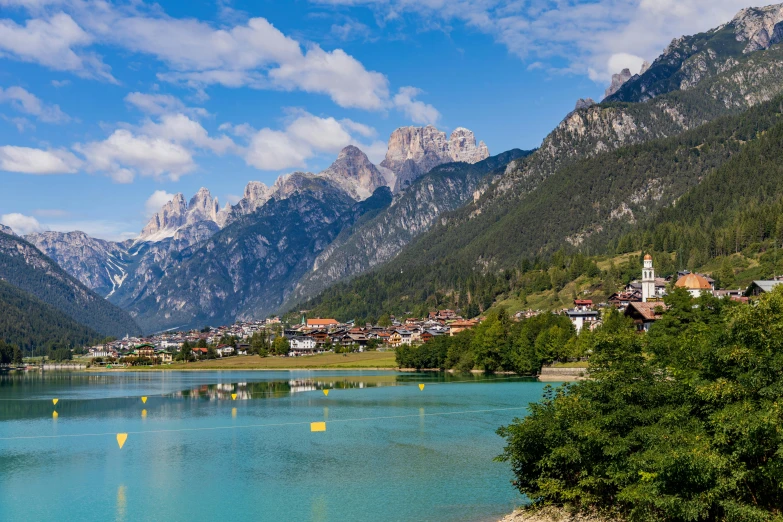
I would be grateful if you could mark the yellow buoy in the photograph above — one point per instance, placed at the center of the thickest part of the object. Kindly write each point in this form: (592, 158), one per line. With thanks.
(421, 387)
(317, 426)
(54, 401)
(55, 414)
(233, 396)
(121, 438)
(144, 400)
(326, 392)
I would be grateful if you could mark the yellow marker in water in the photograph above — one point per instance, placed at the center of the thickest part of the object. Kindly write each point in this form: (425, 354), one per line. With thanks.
(326, 392)
(144, 400)
(233, 396)
(317, 426)
(55, 414)
(421, 387)
(121, 438)
(54, 401)
(143, 414)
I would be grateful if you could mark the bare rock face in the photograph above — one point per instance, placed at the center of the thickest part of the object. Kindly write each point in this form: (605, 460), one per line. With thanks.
(414, 151)
(7, 230)
(761, 27)
(617, 81)
(583, 103)
(177, 214)
(355, 174)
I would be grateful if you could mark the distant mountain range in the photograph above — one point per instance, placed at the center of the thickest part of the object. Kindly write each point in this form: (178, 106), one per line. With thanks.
(195, 262)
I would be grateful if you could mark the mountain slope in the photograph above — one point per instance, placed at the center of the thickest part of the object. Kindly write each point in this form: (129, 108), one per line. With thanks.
(30, 324)
(586, 205)
(26, 268)
(412, 213)
(246, 269)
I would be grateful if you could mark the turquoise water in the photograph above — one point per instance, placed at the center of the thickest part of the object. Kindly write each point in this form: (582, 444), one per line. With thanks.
(388, 453)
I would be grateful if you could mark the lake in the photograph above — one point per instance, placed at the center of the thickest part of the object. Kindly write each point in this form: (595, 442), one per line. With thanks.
(390, 452)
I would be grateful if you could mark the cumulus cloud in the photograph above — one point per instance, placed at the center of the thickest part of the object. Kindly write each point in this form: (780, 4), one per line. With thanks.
(304, 137)
(156, 148)
(56, 42)
(159, 104)
(28, 103)
(252, 53)
(124, 154)
(417, 111)
(26, 160)
(21, 224)
(156, 201)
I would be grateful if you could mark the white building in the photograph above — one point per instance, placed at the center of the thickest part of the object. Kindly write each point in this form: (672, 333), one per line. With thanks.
(648, 279)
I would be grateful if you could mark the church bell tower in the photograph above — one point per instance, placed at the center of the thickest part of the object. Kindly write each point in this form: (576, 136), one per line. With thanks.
(648, 279)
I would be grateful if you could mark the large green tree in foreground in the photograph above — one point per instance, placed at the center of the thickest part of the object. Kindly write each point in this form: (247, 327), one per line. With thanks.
(683, 424)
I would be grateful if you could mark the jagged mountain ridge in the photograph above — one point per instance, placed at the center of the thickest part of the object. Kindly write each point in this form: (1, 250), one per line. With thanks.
(246, 269)
(411, 213)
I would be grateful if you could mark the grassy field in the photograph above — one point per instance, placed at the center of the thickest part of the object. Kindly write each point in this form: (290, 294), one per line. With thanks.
(326, 361)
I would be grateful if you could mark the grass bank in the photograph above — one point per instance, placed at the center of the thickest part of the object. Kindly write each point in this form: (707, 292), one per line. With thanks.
(324, 361)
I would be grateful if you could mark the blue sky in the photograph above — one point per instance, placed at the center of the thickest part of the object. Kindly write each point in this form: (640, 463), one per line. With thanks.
(109, 108)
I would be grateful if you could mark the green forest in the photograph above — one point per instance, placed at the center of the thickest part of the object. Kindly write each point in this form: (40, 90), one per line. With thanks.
(24, 266)
(34, 326)
(682, 424)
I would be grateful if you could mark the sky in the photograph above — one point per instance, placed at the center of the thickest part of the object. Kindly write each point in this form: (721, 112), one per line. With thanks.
(108, 109)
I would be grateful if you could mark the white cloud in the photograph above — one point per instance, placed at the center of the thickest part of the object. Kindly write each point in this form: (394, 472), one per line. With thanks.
(156, 201)
(53, 43)
(25, 101)
(158, 149)
(180, 129)
(376, 151)
(21, 224)
(304, 137)
(337, 74)
(27, 160)
(418, 111)
(159, 104)
(60, 83)
(124, 154)
(99, 228)
(586, 34)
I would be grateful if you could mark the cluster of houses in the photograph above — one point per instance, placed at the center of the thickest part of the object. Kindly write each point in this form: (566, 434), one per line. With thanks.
(321, 335)
(642, 300)
(311, 336)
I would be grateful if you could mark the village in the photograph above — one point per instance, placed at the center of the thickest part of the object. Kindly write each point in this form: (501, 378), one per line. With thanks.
(641, 300)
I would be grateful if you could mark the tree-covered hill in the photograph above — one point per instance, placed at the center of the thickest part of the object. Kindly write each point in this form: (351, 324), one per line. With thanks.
(26, 268)
(35, 326)
(599, 205)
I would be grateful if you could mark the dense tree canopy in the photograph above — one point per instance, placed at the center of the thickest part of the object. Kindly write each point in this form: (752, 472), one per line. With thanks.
(683, 424)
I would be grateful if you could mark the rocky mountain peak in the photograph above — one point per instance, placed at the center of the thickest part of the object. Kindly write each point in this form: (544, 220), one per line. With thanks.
(203, 207)
(583, 103)
(618, 80)
(354, 172)
(759, 26)
(7, 230)
(177, 213)
(414, 151)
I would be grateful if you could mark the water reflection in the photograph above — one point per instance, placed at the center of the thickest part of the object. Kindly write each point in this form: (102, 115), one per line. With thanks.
(122, 503)
(27, 395)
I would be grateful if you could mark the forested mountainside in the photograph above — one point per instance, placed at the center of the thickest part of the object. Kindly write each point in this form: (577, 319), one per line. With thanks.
(245, 270)
(26, 268)
(411, 213)
(31, 324)
(618, 201)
